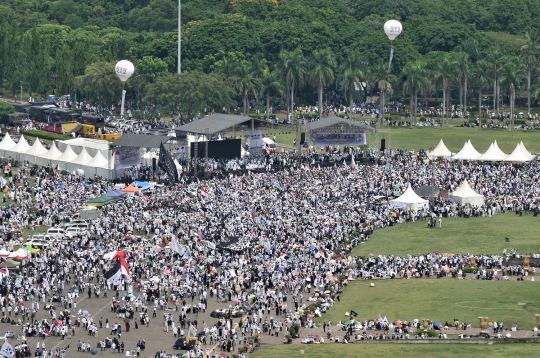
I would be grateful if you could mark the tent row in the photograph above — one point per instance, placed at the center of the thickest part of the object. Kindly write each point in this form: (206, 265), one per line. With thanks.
(463, 195)
(53, 157)
(492, 154)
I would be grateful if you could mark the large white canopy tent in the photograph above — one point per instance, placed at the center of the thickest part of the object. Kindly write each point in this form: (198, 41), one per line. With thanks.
(7, 143)
(50, 158)
(409, 199)
(440, 151)
(34, 152)
(468, 152)
(67, 157)
(526, 151)
(464, 194)
(493, 154)
(496, 146)
(21, 147)
(518, 156)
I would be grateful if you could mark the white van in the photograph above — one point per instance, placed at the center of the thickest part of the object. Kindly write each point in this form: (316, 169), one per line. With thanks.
(56, 233)
(269, 143)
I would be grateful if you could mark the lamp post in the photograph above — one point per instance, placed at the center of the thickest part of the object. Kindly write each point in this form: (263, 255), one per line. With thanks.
(179, 36)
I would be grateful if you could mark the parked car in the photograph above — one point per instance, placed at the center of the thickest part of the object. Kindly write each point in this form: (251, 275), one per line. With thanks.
(56, 233)
(73, 222)
(71, 232)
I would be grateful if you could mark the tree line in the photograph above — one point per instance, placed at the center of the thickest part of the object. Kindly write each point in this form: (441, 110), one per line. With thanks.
(261, 49)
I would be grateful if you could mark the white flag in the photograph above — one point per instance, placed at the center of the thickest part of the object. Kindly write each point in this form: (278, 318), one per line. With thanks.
(175, 246)
(7, 350)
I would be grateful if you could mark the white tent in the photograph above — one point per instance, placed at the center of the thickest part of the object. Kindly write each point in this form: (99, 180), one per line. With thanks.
(440, 151)
(36, 150)
(518, 156)
(464, 194)
(493, 154)
(7, 143)
(496, 146)
(529, 154)
(52, 154)
(66, 158)
(409, 199)
(467, 152)
(99, 161)
(83, 158)
(21, 146)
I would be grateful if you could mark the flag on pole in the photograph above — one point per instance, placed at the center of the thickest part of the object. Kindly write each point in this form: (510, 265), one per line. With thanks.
(120, 268)
(166, 163)
(7, 350)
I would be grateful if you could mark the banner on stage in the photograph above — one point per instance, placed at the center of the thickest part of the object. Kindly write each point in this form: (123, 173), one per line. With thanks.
(126, 157)
(337, 136)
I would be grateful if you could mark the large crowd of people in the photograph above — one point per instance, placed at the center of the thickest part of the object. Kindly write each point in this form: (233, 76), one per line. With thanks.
(265, 243)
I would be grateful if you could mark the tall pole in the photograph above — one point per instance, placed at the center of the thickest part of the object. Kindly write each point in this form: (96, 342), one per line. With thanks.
(179, 36)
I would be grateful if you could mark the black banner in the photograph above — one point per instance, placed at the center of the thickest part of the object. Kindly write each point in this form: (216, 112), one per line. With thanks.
(166, 163)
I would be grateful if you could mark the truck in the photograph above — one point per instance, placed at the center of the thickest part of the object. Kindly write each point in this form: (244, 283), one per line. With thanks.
(88, 213)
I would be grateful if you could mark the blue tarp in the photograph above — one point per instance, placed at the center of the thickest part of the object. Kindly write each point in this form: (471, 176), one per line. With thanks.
(140, 184)
(114, 194)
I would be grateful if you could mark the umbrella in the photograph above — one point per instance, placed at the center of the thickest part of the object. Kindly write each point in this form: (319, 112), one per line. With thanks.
(347, 323)
(85, 313)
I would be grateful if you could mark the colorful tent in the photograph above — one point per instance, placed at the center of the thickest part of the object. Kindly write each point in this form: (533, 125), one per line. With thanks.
(101, 200)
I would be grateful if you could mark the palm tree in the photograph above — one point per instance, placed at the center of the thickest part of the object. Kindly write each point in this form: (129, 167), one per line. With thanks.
(495, 58)
(512, 74)
(245, 82)
(351, 77)
(257, 66)
(463, 68)
(531, 50)
(445, 70)
(269, 81)
(321, 72)
(413, 74)
(480, 74)
(294, 67)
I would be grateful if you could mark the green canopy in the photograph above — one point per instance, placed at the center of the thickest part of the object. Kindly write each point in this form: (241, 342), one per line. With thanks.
(101, 200)
(30, 249)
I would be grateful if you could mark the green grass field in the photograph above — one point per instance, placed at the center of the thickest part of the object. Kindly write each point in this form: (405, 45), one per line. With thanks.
(397, 350)
(475, 235)
(454, 138)
(440, 300)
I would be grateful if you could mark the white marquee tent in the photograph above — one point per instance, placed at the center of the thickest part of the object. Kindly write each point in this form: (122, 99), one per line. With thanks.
(496, 146)
(529, 154)
(21, 147)
(37, 149)
(468, 152)
(7, 143)
(440, 151)
(464, 194)
(518, 156)
(67, 157)
(493, 154)
(409, 199)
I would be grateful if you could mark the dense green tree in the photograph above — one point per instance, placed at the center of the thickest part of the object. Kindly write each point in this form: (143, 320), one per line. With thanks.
(100, 84)
(190, 92)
